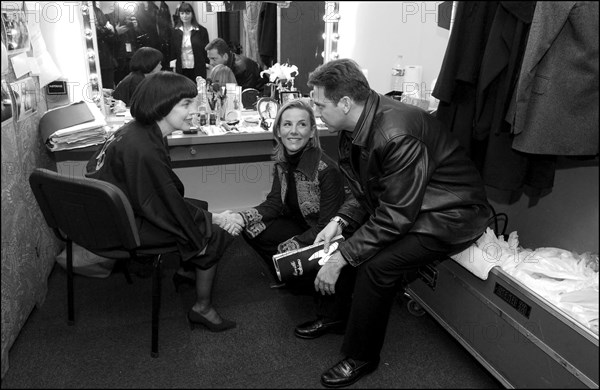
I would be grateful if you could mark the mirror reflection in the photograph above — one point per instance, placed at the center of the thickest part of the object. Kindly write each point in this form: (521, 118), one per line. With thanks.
(182, 30)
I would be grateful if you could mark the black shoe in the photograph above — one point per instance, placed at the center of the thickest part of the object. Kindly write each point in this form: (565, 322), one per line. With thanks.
(196, 319)
(319, 327)
(179, 279)
(347, 371)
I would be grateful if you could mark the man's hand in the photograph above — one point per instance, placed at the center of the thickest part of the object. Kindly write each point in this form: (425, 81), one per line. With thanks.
(327, 234)
(121, 29)
(329, 273)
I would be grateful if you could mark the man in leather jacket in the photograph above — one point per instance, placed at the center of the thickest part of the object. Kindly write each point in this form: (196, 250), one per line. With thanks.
(246, 70)
(416, 198)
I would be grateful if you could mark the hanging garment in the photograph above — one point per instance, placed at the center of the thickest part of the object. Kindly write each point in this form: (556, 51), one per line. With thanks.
(475, 83)
(554, 109)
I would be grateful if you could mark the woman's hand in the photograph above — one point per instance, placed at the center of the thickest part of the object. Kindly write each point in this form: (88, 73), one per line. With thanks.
(229, 222)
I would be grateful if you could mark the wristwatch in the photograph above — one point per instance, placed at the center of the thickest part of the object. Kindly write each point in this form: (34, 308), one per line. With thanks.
(340, 221)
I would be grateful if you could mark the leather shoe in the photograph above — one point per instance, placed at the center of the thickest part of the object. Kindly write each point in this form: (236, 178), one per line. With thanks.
(317, 328)
(347, 372)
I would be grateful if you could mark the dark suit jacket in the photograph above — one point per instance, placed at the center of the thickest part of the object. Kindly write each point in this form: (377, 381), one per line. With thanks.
(555, 105)
(199, 41)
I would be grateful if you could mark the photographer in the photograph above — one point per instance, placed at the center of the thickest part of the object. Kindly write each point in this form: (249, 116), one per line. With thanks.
(126, 27)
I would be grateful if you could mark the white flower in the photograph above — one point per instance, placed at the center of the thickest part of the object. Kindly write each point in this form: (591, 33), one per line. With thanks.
(279, 73)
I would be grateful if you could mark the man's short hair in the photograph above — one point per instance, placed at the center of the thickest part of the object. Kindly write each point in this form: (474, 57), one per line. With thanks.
(158, 93)
(341, 78)
(219, 44)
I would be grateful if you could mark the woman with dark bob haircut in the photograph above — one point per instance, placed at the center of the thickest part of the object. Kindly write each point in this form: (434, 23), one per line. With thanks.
(135, 158)
(145, 61)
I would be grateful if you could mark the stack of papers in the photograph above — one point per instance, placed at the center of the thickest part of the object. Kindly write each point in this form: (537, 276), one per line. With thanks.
(77, 125)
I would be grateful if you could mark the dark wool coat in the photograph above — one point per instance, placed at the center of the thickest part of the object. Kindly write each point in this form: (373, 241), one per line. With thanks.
(136, 160)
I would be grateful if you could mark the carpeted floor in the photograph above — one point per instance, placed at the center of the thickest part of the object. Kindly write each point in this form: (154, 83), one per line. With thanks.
(109, 345)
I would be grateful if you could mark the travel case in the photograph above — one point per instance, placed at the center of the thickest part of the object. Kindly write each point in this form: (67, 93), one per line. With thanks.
(521, 338)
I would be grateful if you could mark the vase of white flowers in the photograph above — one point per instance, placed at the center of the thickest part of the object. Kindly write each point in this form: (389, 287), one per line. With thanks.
(281, 78)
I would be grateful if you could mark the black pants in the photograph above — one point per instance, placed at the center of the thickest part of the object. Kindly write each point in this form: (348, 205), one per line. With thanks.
(369, 290)
(265, 244)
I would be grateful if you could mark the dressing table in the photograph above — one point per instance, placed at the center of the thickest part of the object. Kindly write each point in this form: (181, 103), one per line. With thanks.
(231, 171)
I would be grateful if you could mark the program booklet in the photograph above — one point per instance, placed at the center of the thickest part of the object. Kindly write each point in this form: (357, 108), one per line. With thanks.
(294, 264)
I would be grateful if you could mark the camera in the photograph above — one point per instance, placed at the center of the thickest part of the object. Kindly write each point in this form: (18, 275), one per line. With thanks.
(129, 21)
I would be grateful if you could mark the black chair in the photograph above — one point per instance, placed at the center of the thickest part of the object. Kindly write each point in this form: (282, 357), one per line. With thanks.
(97, 216)
(249, 98)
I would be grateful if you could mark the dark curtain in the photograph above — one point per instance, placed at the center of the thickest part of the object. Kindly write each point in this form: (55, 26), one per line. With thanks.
(267, 34)
(229, 29)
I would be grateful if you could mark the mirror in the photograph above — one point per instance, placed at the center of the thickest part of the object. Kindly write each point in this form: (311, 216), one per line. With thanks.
(147, 23)
(240, 27)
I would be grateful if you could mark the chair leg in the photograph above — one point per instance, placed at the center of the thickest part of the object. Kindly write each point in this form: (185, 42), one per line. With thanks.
(70, 309)
(156, 292)
(126, 268)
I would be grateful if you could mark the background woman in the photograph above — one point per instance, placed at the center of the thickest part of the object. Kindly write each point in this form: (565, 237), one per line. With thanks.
(222, 75)
(307, 188)
(189, 40)
(138, 163)
(144, 62)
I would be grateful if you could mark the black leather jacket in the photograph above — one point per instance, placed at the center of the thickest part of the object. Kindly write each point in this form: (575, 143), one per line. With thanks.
(408, 175)
(246, 71)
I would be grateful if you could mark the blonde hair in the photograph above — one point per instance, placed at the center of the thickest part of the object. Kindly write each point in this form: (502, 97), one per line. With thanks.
(222, 74)
(279, 149)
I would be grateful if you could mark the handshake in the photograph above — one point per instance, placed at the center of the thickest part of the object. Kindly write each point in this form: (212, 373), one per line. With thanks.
(229, 221)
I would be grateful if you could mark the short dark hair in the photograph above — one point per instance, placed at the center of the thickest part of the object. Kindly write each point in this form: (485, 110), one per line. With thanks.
(145, 59)
(186, 7)
(219, 44)
(158, 93)
(341, 78)
(279, 149)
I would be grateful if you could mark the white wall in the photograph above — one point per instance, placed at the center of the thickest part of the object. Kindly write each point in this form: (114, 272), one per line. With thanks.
(373, 33)
(60, 23)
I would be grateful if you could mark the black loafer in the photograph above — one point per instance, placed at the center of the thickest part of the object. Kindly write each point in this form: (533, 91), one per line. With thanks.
(319, 327)
(347, 372)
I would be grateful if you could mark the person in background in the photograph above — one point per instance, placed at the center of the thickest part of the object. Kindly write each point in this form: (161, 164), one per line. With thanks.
(221, 74)
(145, 61)
(127, 30)
(106, 38)
(146, 15)
(135, 159)
(165, 30)
(416, 198)
(188, 40)
(307, 188)
(246, 70)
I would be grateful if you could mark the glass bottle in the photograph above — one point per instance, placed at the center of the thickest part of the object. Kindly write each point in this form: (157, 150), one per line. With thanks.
(398, 76)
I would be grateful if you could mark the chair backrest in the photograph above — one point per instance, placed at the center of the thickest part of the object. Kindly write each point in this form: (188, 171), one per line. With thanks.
(249, 98)
(92, 213)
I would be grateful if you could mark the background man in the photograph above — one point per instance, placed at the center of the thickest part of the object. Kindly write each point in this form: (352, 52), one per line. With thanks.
(246, 70)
